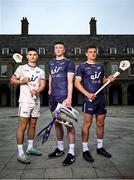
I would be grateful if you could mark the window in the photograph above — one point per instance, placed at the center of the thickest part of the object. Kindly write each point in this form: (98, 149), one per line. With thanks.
(3, 70)
(130, 50)
(42, 66)
(24, 50)
(114, 68)
(77, 50)
(131, 70)
(112, 50)
(5, 51)
(97, 50)
(42, 51)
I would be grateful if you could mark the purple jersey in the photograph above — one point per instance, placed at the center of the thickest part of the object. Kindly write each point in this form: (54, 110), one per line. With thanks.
(58, 69)
(91, 75)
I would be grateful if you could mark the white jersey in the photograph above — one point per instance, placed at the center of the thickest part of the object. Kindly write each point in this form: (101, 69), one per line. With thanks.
(35, 74)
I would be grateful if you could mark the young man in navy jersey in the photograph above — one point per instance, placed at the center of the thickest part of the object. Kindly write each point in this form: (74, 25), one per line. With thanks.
(89, 78)
(61, 74)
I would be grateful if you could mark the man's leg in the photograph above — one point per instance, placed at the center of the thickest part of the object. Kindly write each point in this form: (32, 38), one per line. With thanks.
(87, 122)
(71, 141)
(100, 119)
(100, 126)
(20, 140)
(31, 135)
(20, 134)
(31, 132)
(59, 132)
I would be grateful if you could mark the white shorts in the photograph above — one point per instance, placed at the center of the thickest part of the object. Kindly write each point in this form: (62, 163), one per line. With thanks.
(29, 110)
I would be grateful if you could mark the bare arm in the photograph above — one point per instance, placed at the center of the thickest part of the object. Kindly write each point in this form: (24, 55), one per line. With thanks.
(68, 100)
(111, 78)
(15, 81)
(40, 88)
(50, 80)
(79, 86)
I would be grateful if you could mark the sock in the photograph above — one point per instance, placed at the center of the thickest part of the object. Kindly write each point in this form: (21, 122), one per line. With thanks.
(71, 149)
(85, 146)
(30, 144)
(60, 145)
(99, 143)
(20, 149)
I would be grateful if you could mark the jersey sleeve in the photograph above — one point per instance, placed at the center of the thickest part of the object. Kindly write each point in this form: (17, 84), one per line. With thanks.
(18, 73)
(43, 75)
(79, 72)
(70, 67)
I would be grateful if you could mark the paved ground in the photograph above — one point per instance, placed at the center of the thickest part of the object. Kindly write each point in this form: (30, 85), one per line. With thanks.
(119, 140)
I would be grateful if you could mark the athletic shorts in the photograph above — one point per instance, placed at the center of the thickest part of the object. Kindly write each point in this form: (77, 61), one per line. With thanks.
(97, 106)
(54, 100)
(29, 110)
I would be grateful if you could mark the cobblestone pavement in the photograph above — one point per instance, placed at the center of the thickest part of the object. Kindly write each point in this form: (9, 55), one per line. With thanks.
(119, 140)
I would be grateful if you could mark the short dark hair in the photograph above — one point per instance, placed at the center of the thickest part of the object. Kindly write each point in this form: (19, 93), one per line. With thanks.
(90, 47)
(32, 49)
(59, 42)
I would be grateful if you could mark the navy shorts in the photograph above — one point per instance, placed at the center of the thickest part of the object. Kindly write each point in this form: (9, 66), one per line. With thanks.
(97, 106)
(54, 100)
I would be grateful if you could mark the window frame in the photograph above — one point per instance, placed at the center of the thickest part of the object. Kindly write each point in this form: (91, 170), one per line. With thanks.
(1, 71)
(40, 51)
(113, 51)
(77, 49)
(5, 50)
(132, 64)
(24, 50)
(130, 50)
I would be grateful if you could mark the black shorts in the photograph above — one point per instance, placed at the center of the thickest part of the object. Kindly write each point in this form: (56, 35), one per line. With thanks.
(97, 106)
(54, 100)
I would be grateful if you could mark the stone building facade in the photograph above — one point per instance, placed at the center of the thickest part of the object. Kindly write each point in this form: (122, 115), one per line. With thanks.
(111, 49)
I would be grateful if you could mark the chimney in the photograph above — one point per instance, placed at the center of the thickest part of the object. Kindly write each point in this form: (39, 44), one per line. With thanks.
(92, 26)
(24, 27)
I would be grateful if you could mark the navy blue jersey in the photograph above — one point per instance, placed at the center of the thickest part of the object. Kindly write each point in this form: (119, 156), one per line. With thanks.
(58, 69)
(91, 75)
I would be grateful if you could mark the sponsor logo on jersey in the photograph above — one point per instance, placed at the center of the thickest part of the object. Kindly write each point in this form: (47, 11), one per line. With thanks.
(55, 70)
(33, 78)
(96, 75)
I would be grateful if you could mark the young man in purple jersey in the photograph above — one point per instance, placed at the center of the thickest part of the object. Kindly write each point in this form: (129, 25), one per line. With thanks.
(61, 74)
(89, 78)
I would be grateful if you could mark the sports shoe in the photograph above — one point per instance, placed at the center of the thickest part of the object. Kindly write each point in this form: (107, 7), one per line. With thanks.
(87, 156)
(69, 160)
(56, 153)
(34, 152)
(103, 152)
(24, 159)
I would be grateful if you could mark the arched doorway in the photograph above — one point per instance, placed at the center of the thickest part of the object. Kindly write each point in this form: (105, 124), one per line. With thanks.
(115, 95)
(17, 95)
(5, 95)
(130, 94)
(77, 98)
(44, 99)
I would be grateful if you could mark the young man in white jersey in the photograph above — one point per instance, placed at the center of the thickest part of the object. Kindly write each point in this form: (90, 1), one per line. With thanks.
(32, 81)
(89, 78)
(61, 74)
